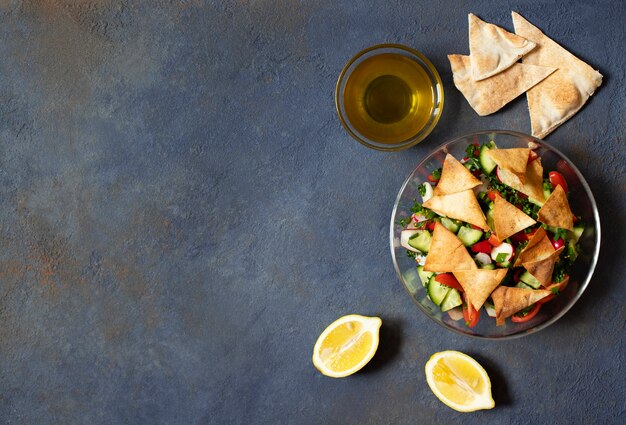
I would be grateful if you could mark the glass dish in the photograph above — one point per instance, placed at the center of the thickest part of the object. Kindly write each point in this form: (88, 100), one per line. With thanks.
(581, 201)
(436, 88)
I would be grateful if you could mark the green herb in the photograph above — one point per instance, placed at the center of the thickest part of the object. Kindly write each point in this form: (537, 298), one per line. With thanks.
(513, 196)
(417, 208)
(559, 233)
(411, 254)
(555, 290)
(547, 186)
(422, 188)
(436, 175)
(501, 258)
(472, 163)
(564, 265)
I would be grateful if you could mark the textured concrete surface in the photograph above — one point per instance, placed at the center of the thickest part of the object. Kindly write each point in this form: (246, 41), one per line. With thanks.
(182, 215)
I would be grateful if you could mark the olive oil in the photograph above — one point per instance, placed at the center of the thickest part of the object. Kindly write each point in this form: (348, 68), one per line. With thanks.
(389, 98)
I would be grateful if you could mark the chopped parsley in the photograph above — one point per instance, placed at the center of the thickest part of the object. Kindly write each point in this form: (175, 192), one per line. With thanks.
(422, 189)
(436, 175)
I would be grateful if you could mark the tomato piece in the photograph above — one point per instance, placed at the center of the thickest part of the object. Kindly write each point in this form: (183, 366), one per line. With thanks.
(476, 227)
(431, 226)
(470, 315)
(557, 179)
(494, 241)
(532, 313)
(558, 243)
(432, 179)
(532, 156)
(449, 280)
(492, 195)
(482, 246)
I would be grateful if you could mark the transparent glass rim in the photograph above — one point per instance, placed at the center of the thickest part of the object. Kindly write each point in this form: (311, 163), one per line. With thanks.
(594, 259)
(437, 86)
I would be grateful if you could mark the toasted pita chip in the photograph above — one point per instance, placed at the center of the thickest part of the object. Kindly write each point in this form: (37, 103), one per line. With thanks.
(508, 219)
(493, 49)
(454, 178)
(556, 212)
(488, 96)
(507, 301)
(533, 184)
(461, 206)
(558, 97)
(447, 253)
(538, 248)
(542, 269)
(513, 160)
(479, 284)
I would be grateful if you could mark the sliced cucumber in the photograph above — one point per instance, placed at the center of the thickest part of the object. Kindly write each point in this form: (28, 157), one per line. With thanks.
(424, 276)
(451, 225)
(529, 280)
(546, 193)
(489, 266)
(536, 202)
(453, 299)
(485, 162)
(469, 236)
(578, 232)
(489, 216)
(436, 291)
(421, 240)
(572, 251)
(522, 285)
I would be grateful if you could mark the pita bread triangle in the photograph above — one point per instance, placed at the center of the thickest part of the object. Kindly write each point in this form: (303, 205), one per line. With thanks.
(514, 160)
(508, 219)
(479, 284)
(557, 98)
(454, 178)
(447, 253)
(488, 96)
(533, 184)
(493, 49)
(507, 300)
(461, 206)
(542, 269)
(538, 248)
(556, 211)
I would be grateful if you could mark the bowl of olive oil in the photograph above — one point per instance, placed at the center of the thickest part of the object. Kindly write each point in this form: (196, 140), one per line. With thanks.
(389, 97)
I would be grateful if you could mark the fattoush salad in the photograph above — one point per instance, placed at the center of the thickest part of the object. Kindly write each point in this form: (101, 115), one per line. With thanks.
(491, 232)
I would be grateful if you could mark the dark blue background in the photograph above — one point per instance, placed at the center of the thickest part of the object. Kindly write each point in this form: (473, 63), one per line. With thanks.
(182, 214)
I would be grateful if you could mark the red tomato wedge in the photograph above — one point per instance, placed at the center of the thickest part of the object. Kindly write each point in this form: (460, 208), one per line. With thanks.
(432, 179)
(449, 280)
(482, 246)
(557, 179)
(532, 313)
(470, 315)
(492, 195)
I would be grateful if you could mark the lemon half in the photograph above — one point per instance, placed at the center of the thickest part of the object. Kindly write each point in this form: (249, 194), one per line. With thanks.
(459, 381)
(346, 345)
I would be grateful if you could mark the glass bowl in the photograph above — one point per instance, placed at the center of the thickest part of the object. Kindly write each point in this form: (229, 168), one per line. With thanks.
(422, 66)
(581, 201)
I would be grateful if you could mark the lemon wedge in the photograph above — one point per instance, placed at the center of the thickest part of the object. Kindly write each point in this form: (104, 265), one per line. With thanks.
(459, 381)
(346, 345)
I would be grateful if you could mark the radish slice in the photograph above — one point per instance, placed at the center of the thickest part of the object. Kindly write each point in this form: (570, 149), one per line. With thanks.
(456, 313)
(405, 235)
(503, 248)
(482, 258)
(428, 193)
